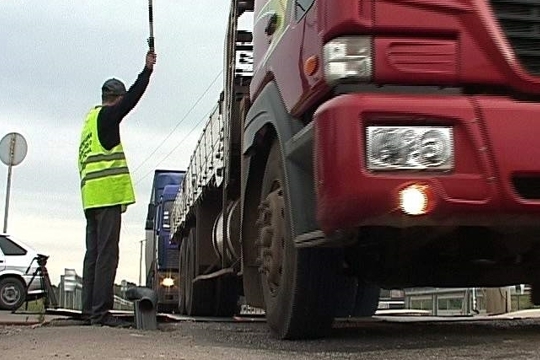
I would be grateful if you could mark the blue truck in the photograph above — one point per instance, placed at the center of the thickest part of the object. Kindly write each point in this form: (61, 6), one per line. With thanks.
(161, 254)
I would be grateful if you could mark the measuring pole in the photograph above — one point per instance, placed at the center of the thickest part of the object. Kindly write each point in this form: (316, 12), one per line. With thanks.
(151, 22)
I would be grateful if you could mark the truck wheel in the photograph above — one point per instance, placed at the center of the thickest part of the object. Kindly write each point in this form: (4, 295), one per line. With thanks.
(367, 300)
(535, 293)
(297, 283)
(182, 278)
(199, 295)
(12, 293)
(355, 298)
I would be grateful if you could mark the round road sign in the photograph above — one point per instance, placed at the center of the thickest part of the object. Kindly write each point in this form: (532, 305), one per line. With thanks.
(13, 149)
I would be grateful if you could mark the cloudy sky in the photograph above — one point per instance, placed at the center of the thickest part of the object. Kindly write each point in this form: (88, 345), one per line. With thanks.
(55, 56)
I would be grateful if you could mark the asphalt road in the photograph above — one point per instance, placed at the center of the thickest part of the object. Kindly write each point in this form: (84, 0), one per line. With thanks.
(375, 339)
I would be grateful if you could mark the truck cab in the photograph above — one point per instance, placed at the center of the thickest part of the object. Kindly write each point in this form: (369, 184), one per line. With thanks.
(161, 254)
(373, 144)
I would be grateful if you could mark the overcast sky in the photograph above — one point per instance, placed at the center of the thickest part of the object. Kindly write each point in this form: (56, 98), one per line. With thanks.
(55, 56)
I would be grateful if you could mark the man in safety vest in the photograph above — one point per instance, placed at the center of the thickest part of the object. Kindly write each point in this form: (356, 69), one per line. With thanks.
(106, 190)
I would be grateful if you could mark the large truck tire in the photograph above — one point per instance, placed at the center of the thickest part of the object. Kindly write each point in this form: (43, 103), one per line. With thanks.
(355, 298)
(366, 300)
(199, 295)
(182, 270)
(297, 283)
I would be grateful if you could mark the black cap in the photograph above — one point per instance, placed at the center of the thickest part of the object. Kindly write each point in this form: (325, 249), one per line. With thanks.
(113, 87)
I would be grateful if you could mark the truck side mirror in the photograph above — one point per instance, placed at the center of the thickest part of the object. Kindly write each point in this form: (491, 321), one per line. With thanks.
(150, 217)
(149, 225)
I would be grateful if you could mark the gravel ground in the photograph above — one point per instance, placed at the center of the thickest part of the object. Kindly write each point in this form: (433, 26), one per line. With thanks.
(498, 339)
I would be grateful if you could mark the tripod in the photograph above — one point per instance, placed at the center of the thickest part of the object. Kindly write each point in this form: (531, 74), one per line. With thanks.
(49, 300)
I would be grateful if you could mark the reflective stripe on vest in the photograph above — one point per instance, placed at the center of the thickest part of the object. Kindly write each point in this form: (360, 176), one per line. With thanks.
(103, 157)
(103, 173)
(105, 178)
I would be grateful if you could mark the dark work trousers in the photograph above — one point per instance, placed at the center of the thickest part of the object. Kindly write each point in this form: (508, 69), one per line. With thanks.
(100, 261)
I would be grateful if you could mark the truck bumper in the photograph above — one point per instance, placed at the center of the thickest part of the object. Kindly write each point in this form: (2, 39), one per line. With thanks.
(496, 177)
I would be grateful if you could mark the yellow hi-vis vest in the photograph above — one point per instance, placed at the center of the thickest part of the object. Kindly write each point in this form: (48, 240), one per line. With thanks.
(105, 178)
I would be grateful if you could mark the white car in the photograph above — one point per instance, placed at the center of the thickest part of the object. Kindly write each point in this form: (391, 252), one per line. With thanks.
(19, 276)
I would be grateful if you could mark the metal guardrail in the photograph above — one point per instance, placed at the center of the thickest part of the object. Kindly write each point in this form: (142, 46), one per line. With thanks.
(70, 293)
(462, 301)
(444, 301)
(439, 301)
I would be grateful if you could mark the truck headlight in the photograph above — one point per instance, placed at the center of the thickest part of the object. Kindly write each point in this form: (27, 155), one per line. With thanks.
(348, 58)
(410, 148)
(168, 282)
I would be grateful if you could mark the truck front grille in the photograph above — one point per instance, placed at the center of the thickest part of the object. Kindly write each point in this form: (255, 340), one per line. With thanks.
(520, 20)
(173, 257)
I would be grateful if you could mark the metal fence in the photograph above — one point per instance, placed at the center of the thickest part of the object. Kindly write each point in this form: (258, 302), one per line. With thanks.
(70, 293)
(438, 301)
(467, 301)
(443, 301)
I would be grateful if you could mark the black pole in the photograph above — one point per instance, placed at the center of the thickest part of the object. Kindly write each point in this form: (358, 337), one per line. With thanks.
(151, 22)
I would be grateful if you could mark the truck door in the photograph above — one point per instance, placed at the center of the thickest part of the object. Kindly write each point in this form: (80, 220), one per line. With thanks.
(270, 17)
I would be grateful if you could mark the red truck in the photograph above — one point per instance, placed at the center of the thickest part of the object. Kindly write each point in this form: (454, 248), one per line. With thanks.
(373, 144)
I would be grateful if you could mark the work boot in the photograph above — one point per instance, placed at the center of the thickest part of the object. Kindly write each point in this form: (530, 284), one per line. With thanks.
(85, 320)
(68, 322)
(111, 321)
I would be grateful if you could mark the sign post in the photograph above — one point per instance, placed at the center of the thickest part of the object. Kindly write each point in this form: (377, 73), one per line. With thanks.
(13, 149)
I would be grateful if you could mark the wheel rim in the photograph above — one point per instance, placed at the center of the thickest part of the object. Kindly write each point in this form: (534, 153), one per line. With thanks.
(272, 237)
(10, 294)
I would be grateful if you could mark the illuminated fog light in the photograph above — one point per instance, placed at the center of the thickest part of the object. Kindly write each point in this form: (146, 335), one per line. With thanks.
(168, 282)
(414, 199)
